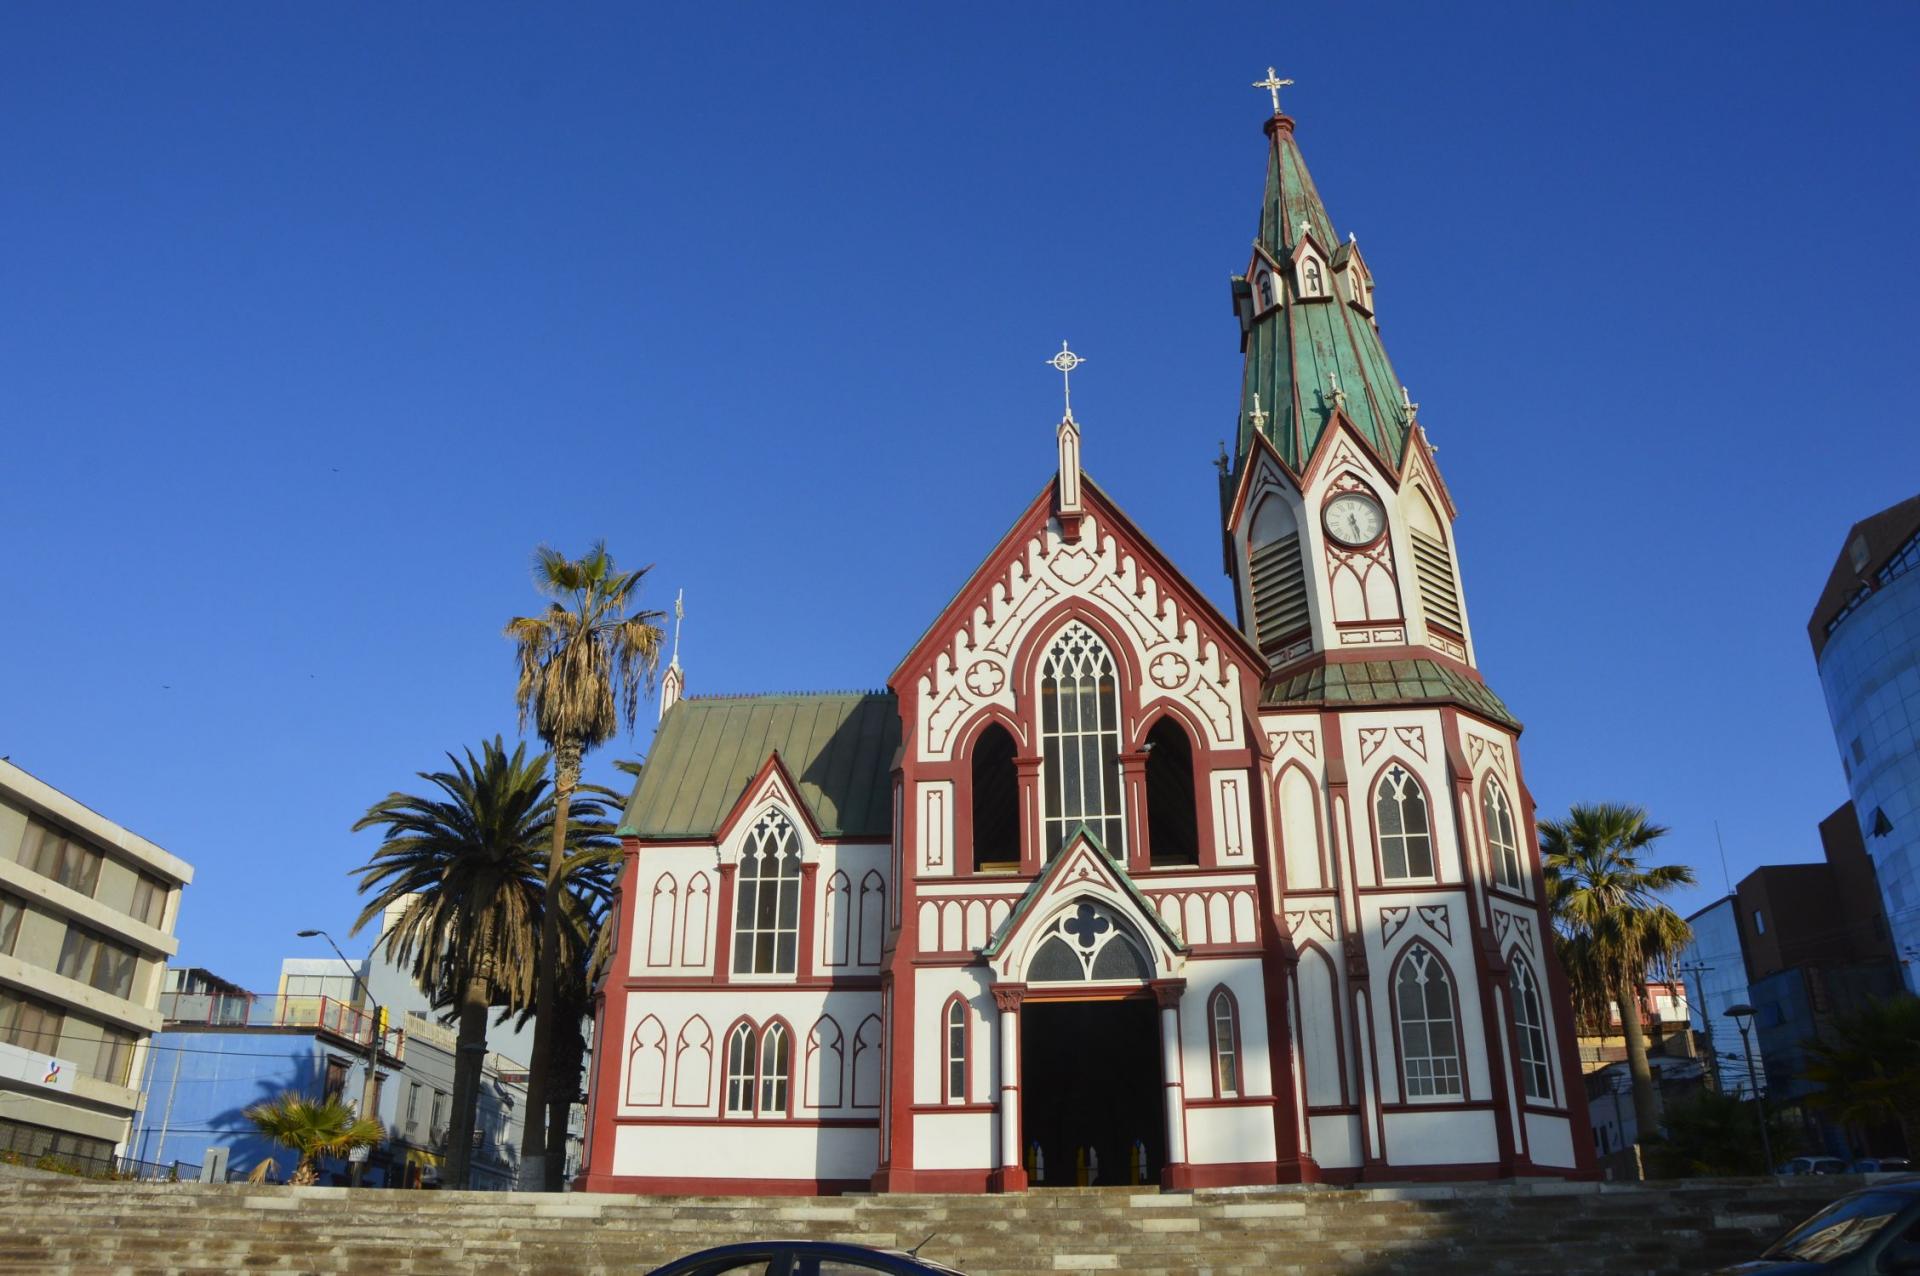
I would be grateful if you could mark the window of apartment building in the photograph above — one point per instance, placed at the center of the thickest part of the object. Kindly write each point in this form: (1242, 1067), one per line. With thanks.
(51, 853)
(438, 1124)
(336, 1083)
(97, 1050)
(149, 900)
(11, 911)
(29, 1024)
(94, 959)
(413, 1105)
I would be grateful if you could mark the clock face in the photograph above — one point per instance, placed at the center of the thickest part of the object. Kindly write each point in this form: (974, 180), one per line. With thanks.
(1354, 519)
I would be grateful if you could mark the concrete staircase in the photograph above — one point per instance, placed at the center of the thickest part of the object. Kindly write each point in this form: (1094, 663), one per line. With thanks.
(54, 1226)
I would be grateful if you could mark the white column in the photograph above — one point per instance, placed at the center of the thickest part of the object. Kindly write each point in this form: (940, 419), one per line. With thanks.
(1009, 1079)
(1169, 998)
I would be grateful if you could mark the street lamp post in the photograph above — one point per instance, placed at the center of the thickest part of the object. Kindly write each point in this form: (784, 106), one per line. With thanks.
(356, 1168)
(1742, 1016)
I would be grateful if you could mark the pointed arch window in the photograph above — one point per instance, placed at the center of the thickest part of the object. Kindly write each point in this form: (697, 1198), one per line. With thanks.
(1080, 728)
(1313, 284)
(1276, 574)
(1429, 1036)
(776, 1058)
(1433, 565)
(996, 801)
(1406, 837)
(740, 1070)
(1530, 1025)
(1223, 1018)
(954, 1027)
(766, 918)
(1173, 826)
(1503, 846)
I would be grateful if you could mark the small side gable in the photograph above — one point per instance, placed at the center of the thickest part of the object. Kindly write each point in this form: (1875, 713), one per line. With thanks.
(1081, 871)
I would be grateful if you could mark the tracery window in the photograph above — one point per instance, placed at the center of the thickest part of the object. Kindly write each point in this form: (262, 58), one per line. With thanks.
(766, 919)
(776, 1053)
(1080, 728)
(1221, 1014)
(1429, 1044)
(1406, 838)
(1530, 1024)
(740, 1077)
(1503, 847)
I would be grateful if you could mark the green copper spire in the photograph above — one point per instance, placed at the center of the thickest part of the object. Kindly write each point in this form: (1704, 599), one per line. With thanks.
(1307, 355)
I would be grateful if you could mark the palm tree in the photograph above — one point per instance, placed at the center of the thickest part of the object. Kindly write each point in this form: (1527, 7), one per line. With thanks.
(1869, 1069)
(584, 950)
(1610, 930)
(313, 1128)
(583, 665)
(470, 863)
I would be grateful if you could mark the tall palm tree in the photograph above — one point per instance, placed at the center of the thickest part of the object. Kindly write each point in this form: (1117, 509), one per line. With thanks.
(470, 862)
(584, 950)
(313, 1128)
(583, 664)
(1610, 929)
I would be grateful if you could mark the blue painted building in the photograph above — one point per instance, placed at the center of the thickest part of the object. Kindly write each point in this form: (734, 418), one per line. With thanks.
(1865, 632)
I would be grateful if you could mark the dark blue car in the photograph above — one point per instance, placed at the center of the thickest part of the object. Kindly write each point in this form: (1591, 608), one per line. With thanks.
(801, 1258)
(1872, 1232)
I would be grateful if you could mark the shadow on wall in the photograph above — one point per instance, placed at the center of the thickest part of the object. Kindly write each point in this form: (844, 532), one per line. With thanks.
(246, 1147)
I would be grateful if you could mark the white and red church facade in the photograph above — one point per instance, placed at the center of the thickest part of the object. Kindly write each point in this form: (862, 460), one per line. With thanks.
(1107, 878)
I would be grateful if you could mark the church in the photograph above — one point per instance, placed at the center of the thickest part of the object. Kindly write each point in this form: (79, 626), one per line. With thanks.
(1108, 886)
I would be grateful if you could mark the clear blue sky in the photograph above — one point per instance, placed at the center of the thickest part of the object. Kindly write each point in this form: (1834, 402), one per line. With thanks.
(315, 320)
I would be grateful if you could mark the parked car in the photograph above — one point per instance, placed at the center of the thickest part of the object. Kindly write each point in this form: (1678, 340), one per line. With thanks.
(1872, 1232)
(1813, 1165)
(1880, 1165)
(802, 1258)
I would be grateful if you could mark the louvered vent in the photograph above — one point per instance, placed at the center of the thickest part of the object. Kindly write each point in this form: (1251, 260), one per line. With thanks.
(1279, 589)
(1438, 597)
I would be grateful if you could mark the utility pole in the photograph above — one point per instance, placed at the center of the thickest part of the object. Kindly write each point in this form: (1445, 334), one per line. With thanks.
(1698, 970)
(1742, 1016)
(357, 1168)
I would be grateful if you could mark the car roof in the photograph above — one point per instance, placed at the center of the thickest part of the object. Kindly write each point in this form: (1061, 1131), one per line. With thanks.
(820, 1248)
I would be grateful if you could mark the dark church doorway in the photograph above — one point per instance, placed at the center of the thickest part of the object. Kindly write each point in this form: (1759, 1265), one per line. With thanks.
(1091, 1091)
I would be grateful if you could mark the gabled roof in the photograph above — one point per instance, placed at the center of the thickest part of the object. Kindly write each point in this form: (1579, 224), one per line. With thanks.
(1294, 352)
(1083, 859)
(838, 747)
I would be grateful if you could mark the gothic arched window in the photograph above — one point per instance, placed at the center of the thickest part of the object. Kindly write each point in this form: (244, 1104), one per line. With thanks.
(1223, 1017)
(996, 800)
(1406, 838)
(1315, 285)
(766, 915)
(1530, 1026)
(1265, 284)
(776, 1056)
(1173, 829)
(1503, 847)
(1080, 728)
(740, 1061)
(1429, 1042)
(956, 1050)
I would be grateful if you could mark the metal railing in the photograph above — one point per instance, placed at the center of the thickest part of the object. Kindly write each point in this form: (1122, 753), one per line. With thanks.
(249, 1010)
(43, 1151)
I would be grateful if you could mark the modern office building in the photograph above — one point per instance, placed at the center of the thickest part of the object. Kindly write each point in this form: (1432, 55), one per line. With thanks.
(87, 912)
(1865, 632)
(1714, 964)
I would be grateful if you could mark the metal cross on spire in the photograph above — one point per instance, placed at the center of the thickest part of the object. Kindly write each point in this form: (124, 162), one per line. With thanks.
(1065, 362)
(1273, 84)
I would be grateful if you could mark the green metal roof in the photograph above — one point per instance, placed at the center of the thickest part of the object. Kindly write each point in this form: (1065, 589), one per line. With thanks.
(1293, 351)
(839, 748)
(1384, 682)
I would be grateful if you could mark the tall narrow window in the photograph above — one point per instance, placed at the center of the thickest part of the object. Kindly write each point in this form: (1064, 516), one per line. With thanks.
(1433, 565)
(1173, 831)
(740, 1078)
(1276, 575)
(776, 1056)
(766, 919)
(1429, 1047)
(996, 801)
(956, 1051)
(1406, 839)
(1503, 848)
(1080, 724)
(1226, 1043)
(1530, 1026)
(1314, 286)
